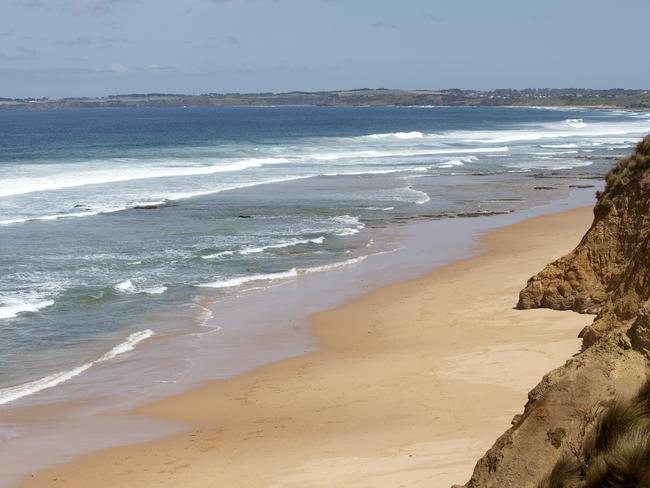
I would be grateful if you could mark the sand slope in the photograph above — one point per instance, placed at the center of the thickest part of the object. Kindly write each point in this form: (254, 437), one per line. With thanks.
(412, 384)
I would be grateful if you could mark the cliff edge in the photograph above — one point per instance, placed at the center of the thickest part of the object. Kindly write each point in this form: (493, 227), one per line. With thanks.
(608, 274)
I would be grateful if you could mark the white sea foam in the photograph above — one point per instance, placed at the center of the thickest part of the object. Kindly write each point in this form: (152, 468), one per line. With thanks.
(12, 307)
(420, 196)
(559, 146)
(256, 250)
(396, 135)
(218, 254)
(20, 186)
(242, 280)
(154, 290)
(204, 316)
(529, 132)
(375, 154)
(554, 130)
(13, 393)
(281, 245)
(348, 231)
(174, 196)
(125, 286)
(346, 219)
(292, 273)
(555, 153)
(451, 164)
(554, 108)
(575, 123)
(340, 264)
(48, 217)
(352, 223)
(19, 391)
(419, 169)
(128, 345)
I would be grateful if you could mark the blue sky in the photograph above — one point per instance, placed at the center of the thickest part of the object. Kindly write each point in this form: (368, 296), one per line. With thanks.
(97, 47)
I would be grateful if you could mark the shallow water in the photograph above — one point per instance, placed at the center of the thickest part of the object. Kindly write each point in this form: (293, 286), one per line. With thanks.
(233, 333)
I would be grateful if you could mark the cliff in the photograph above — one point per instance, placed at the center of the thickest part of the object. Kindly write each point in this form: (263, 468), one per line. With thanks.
(608, 274)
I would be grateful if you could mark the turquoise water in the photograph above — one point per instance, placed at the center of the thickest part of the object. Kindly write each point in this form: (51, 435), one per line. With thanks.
(109, 215)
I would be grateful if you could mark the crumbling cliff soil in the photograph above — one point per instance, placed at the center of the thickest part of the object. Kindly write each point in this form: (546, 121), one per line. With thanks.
(608, 275)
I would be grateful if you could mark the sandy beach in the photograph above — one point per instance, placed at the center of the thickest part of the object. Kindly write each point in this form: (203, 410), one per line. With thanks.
(411, 384)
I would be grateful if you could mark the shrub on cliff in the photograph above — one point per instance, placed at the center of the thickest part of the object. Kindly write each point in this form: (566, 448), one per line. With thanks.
(615, 452)
(626, 171)
(566, 473)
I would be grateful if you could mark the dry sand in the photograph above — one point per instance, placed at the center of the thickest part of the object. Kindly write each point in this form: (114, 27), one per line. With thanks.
(412, 383)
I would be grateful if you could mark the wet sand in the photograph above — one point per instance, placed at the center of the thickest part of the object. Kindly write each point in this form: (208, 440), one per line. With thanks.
(410, 385)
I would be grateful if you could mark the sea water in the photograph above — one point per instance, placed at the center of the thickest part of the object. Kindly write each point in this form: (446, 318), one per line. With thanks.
(108, 216)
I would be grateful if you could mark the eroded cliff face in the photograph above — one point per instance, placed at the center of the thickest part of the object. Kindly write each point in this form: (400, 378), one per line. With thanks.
(608, 274)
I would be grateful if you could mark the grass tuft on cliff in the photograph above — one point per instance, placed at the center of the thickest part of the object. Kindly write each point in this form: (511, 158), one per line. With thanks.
(566, 473)
(628, 169)
(615, 452)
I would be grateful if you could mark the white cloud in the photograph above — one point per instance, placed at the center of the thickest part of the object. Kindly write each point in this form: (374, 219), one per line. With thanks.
(118, 68)
(157, 68)
(21, 53)
(30, 3)
(90, 7)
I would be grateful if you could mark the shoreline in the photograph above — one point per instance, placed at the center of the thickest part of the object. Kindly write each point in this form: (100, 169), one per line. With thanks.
(230, 416)
(91, 106)
(229, 336)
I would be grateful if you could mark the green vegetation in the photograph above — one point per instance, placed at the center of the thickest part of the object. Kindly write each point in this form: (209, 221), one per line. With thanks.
(612, 449)
(628, 169)
(575, 97)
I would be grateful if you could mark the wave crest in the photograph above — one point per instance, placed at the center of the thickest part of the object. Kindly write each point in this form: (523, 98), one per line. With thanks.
(242, 280)
(396, 135)
(257, 250)
(14, 307)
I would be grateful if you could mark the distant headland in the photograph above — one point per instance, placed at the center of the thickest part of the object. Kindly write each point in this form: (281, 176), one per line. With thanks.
(578, 97)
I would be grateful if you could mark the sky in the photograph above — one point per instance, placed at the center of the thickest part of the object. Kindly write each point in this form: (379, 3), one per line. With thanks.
(65, 48)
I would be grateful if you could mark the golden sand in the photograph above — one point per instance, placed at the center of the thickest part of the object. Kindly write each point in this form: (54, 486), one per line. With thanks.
(411, 385)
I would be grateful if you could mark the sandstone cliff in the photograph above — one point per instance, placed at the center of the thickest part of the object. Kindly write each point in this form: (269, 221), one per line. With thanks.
(608, 274)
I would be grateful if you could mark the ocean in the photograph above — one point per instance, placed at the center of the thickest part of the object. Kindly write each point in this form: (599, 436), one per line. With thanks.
(112, 218)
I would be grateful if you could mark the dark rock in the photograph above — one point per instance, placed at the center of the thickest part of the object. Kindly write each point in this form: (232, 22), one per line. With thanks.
(146, 207)
(639, 333)
(556, 436)
(484, 213)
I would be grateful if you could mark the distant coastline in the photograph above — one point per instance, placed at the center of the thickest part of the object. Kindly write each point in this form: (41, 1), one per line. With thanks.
(543, 97)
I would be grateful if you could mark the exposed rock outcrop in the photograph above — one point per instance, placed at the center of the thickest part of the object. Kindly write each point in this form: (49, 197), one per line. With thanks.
(608, 274)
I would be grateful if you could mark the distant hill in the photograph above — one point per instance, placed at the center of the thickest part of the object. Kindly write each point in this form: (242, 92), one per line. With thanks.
(579, 97)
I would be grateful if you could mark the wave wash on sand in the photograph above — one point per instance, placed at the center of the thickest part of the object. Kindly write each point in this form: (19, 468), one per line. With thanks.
(19, 391)
(325, 415)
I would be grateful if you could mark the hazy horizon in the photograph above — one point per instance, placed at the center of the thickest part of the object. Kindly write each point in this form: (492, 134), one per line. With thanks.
(67, 48)
(163, 93)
